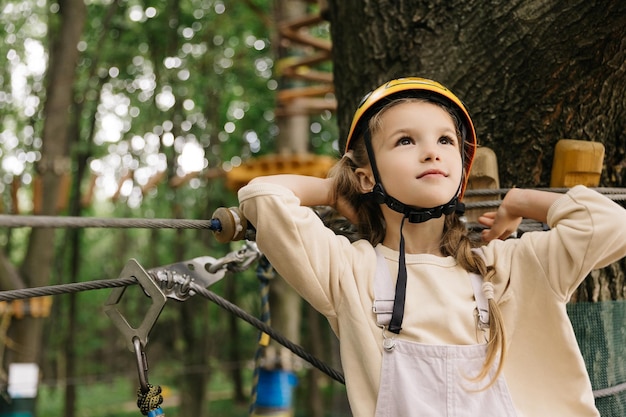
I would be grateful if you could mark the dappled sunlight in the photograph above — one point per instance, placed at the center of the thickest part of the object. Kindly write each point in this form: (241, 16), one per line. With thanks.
(206, 105)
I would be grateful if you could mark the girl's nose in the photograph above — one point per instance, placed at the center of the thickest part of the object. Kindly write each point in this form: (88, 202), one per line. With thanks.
(430, 152)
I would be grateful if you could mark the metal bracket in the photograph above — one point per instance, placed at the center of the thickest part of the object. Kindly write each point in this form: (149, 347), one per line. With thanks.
(152, 290)
(175, 279)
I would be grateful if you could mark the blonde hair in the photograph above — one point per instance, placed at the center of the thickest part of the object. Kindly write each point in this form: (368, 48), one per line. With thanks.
(455, 240)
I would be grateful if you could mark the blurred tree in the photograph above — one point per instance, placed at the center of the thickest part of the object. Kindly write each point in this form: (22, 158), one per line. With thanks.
(52, 167)
(154, 126)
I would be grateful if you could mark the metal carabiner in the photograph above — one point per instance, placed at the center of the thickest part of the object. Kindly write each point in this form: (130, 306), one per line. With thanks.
(142, 365)
(238, 260)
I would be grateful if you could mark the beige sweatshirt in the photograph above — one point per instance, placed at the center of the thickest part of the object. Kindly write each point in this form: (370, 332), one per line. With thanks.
(536, 275)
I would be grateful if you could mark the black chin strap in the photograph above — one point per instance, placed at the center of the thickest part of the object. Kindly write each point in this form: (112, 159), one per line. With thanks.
(414, 215)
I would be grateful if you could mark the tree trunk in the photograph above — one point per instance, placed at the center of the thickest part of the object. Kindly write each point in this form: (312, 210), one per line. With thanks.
(531, 72)
(74, 237)
(37, 264)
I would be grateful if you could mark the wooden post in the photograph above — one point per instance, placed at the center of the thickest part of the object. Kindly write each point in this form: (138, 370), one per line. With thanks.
(577, 162)
(484, 175)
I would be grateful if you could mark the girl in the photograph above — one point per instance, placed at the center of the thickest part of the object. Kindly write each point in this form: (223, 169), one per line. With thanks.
(429, 325)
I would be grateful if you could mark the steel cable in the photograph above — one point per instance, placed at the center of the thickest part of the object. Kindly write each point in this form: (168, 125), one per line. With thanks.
(616, 194)
(8, 220)
(22, 293)
(11, 295)
(496, 191)
(242, 314)
(495, 203)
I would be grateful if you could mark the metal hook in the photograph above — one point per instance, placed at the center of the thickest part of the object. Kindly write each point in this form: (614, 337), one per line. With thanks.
(142, 365)
(389, 343)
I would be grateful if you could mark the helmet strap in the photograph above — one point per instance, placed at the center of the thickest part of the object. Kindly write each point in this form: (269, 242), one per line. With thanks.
(395, 325)
(413, 215)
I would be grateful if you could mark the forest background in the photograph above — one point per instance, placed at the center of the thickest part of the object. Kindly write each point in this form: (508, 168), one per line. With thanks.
(140, 109)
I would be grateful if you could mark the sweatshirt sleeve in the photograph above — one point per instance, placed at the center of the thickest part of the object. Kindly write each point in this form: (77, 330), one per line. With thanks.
(299, 246)
(587, 232)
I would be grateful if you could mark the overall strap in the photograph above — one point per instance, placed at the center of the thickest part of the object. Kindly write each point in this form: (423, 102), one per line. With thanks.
(384, 294)
(482, 304)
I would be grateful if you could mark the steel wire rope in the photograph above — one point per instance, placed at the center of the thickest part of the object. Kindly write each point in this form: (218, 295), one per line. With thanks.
(295, 348)
(10, 220)
(610, 391)
(59, 289)
(618, 197)
(495, 191)
(11, 295)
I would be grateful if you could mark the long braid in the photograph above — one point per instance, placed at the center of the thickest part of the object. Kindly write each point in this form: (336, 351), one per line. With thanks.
(456, 242)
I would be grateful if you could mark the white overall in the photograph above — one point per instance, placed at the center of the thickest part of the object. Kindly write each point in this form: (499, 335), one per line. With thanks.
(434, 380)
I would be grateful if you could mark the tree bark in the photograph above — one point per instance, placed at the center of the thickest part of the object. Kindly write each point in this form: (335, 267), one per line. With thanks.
(37, 264)
(531, 72)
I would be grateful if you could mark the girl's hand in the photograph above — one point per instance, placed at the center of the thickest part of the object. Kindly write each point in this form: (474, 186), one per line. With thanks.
(500, 225)
(517, 204)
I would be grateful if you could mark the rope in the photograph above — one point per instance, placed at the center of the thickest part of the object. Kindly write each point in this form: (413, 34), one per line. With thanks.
(242, 314)
(149, 402)
(607, 392)
(496, 191)
(8, 220)
(264, 273)
(496, 203)
(525, 226)
(11, 295)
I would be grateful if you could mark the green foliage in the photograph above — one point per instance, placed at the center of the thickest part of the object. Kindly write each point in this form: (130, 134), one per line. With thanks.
(181, 90)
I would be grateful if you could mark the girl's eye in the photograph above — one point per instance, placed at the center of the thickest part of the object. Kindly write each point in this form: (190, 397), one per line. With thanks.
(405, 141)
(447, 140)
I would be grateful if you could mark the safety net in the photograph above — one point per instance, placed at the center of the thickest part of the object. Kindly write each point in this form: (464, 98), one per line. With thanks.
(601, 333)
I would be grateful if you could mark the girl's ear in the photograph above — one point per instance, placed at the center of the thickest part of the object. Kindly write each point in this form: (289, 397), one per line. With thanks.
(366, 179)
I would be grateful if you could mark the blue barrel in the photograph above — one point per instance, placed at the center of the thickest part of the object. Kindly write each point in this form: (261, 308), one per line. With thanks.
(275, 389)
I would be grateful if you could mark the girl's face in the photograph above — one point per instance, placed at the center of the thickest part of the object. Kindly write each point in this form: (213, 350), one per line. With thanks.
(417, 152)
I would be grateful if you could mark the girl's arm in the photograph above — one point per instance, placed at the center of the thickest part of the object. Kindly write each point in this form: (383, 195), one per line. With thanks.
(311, 191)
(311, 257)
(517, 204)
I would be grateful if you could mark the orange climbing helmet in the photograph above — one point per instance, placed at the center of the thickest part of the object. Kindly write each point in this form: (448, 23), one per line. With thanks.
(416, 87)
